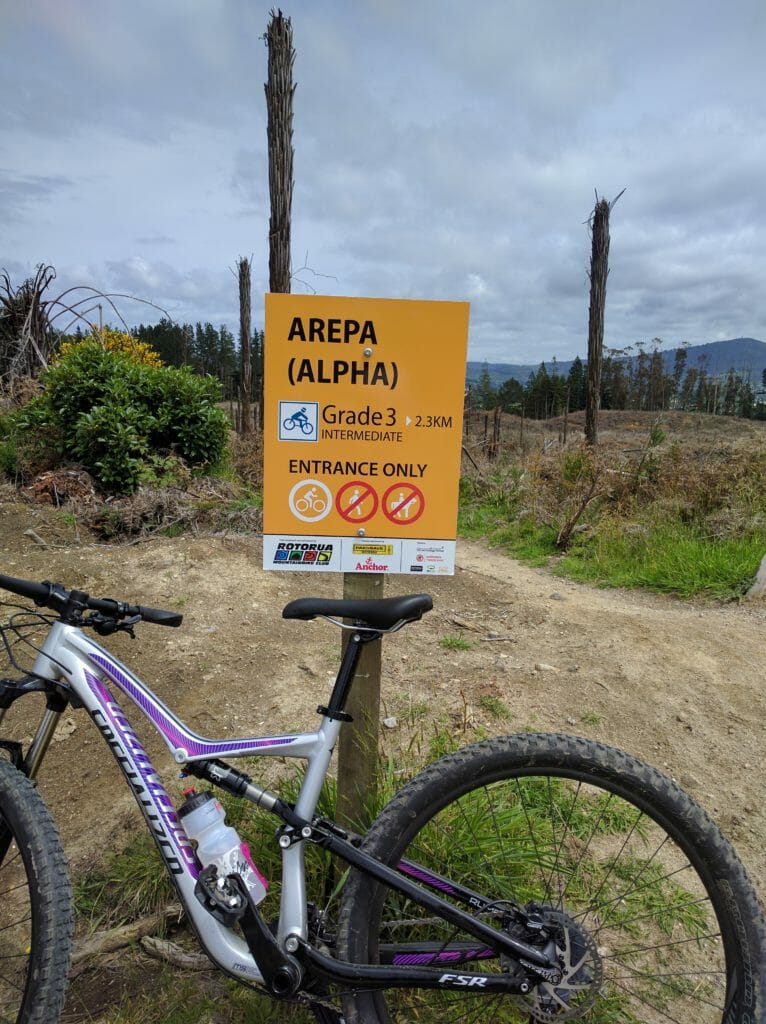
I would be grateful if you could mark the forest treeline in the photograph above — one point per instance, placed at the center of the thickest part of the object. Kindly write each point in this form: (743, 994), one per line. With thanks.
(646, 381)
(208, 349)
(640, 382)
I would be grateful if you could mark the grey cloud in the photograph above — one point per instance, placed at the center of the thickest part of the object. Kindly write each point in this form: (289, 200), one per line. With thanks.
(133, 69)
(18, 191)
(155, 240)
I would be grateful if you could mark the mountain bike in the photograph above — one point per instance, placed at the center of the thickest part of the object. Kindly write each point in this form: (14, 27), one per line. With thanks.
(525, 878)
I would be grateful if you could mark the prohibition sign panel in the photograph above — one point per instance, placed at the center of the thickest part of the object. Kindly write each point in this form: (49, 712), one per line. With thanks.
(403, 504)
(357, 501)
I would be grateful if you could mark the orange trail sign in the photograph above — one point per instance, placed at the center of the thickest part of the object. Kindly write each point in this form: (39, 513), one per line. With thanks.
(363, 418)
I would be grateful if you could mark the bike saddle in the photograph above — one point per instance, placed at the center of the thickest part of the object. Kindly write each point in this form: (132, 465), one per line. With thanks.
(377, 613)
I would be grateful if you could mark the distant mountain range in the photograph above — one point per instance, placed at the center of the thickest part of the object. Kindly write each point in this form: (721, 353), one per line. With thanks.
(745, 355)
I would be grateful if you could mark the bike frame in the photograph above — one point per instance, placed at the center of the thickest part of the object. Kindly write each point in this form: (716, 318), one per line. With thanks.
(84, 671)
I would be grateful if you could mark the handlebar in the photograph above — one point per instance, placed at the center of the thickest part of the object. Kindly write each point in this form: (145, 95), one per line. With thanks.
(71, 603)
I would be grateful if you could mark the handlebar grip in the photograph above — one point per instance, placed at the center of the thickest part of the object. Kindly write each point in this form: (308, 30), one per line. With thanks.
(38, 592)
(160, 617)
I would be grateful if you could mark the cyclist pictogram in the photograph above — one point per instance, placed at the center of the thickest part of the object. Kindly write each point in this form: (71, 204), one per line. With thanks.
(403, 504)
(298, 421)
(310, 500)
(356, 501)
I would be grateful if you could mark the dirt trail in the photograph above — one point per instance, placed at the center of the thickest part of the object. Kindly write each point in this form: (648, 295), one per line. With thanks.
(681, 685)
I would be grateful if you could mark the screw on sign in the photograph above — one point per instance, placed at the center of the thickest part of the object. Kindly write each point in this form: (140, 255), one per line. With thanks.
(403, 504)
(356, 501)
(310, 500)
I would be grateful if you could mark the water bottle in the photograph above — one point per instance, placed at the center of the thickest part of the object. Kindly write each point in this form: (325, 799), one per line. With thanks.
(203, 818)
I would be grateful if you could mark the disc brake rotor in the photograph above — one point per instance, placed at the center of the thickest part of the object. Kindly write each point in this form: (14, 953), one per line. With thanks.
(582, 973)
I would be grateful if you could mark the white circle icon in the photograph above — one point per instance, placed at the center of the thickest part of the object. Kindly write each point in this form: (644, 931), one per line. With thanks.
(310, 501)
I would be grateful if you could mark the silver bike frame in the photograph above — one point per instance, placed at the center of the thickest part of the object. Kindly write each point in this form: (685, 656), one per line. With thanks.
(69, 656)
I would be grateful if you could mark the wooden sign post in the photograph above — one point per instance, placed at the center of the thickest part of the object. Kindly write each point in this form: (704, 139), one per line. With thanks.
(362, 439)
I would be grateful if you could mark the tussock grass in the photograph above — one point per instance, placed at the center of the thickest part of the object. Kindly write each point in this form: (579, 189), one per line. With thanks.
(672, 506)
(669, 558)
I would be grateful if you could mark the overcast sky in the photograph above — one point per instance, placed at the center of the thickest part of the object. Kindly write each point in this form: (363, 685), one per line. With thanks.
(443, 150)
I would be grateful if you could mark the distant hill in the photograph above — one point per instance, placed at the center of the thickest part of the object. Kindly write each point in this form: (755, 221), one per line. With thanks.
(741, 354)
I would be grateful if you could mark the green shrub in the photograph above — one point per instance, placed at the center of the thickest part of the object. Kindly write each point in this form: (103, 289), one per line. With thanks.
(29, 445)
(112, 440)
(122, 419)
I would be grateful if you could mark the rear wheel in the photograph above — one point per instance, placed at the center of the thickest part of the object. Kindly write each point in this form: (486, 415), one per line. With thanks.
(652, 914)
(36, 920)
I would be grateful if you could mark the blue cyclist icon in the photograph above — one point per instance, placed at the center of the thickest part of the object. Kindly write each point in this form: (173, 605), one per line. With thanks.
(298, 421)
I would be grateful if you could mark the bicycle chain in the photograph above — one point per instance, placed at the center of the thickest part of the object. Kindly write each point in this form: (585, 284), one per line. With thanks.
(307, 998)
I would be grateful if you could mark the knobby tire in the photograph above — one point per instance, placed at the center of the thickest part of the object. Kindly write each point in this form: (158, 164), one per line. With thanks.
(36, 918)
(651, 909)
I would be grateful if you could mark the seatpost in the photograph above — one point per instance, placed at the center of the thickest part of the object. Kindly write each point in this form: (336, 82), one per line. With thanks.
(357, 639)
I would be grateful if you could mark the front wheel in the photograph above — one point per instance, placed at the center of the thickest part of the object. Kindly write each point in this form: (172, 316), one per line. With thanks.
(652, 914)
(36, 920)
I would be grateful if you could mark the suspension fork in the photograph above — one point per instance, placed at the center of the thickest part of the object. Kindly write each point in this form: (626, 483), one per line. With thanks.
(55, 705)
(30, 764)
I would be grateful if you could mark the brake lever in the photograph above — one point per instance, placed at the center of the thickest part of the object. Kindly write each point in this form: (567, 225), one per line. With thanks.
(105, 626)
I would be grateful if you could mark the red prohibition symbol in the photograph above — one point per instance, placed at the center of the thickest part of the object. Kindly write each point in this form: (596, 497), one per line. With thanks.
(356, 501)
(403, 504)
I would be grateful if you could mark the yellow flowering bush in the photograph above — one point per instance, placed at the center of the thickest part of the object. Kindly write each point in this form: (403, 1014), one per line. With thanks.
(118, 342)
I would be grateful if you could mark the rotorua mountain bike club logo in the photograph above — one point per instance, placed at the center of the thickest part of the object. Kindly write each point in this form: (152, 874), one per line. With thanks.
(296, 553)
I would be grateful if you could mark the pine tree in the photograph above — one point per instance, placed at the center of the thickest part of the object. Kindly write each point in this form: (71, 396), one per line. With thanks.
(485, 394)
(576, 384)
(510, 395)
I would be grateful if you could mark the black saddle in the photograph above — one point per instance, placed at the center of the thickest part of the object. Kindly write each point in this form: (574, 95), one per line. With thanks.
(383, 613)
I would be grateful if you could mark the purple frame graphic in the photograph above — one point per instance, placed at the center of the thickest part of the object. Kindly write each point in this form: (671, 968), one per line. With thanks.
(175, 733)
(148, 789)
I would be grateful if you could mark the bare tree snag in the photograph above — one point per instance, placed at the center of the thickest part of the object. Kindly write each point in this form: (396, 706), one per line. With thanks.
(279, 104)
(599, 271)
(111, 939)
(245, 366)
(28, 331)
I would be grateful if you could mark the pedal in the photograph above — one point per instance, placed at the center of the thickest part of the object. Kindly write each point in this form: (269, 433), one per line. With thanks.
(219, 898)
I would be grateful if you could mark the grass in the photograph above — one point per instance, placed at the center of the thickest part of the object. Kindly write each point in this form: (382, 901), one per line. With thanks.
(163, 995)
(669, 558)
(494, 707)
(494, 514)
(591, 718)
(131, 883)
(171, 997)
(456, 642)
(668, 512)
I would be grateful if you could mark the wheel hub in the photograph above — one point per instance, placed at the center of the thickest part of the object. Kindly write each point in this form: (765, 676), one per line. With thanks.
(581, 972)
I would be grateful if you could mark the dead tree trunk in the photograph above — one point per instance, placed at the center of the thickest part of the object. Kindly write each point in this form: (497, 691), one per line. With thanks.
(245, 367)
(599, 270)
(186, 344)
(279, 104)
